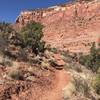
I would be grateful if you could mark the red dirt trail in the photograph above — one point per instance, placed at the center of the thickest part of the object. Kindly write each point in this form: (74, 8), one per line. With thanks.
(62, 79)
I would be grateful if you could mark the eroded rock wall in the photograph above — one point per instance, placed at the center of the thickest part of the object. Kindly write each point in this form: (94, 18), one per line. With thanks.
(70, 27)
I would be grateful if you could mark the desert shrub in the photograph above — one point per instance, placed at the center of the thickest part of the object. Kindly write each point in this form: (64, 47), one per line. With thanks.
(3, 45)
(98, 71)
(65, 53)
(52, 63)
(37, 60)
(81, 86)
(30, 38)
(96, 84)
(22, 55)
(5, 30)
(8, 37)
(4, 61)
(51, 49)
(54, 50)
(32, 35)
(92, 60)
(16, 39)
(10, 53)
(16, 75)
(7, 62)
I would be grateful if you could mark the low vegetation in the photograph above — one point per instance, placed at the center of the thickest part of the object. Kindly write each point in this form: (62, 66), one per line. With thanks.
(27, 46)
(19, 45)
(96, 84)
(92, 60)
(81, 86)
(16, 75)
(32, 35)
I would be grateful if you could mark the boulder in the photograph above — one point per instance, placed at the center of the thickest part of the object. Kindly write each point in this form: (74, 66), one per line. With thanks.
(58, 60)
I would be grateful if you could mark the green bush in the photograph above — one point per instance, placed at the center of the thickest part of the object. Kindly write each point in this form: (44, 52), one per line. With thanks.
(5, 30)
(54, 50)
(32, 35)
(92, 60)
(96, 84)
(82, 86)
(19, 45)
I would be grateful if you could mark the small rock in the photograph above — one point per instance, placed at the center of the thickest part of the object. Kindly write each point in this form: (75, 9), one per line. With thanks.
(1, 82)
(58, 60)
(31, 78)
(60, 63)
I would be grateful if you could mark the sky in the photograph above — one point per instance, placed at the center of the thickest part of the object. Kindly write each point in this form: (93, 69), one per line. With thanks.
(10, 9)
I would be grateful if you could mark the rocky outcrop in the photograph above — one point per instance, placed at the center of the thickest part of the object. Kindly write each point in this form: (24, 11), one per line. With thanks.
(70, 27)
(38, 15)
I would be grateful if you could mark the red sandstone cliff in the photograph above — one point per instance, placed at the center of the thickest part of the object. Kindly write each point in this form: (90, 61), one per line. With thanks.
(69, 27)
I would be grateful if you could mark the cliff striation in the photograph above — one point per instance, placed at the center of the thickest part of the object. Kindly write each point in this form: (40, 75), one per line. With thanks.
(70, 27)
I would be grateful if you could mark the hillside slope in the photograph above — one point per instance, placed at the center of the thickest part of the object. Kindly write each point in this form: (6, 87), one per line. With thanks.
(70, 27)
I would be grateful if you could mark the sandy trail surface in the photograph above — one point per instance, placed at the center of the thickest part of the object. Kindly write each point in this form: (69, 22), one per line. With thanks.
(62, 79)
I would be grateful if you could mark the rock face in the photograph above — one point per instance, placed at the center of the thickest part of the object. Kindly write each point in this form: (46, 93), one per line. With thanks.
(70, 27)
